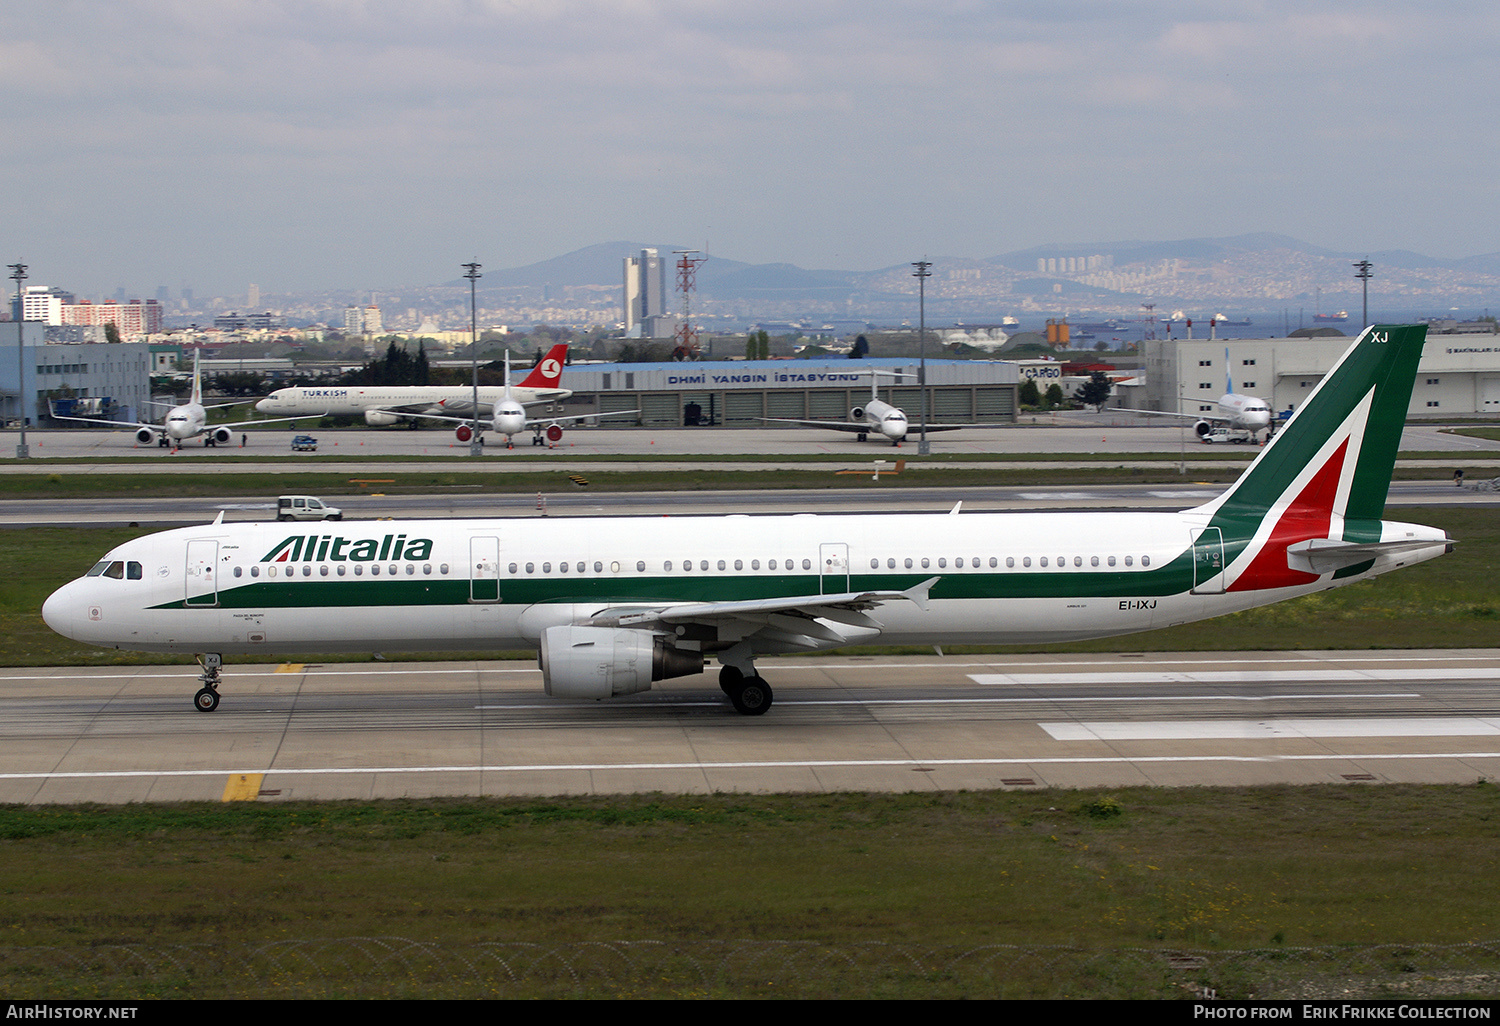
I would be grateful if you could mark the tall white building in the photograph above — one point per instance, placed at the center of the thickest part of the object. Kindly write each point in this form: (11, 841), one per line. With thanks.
(645, 294)
(44, 303)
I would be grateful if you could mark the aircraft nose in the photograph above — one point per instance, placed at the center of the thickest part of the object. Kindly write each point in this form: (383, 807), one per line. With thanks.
(264, 406)
(61, 612)
(895, 430)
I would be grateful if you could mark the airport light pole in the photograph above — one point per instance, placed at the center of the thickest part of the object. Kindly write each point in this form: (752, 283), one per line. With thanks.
(1363, 273)
(18, 275)
(922, 273)
(471, 272)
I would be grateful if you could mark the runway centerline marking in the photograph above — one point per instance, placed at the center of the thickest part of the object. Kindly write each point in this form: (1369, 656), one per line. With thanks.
(1262, 730)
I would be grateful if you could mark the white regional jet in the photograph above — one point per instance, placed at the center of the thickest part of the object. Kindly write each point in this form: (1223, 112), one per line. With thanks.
(876, 417)
(384, 405)
(509, 418)
(1235, 411)
(189, 420)
(614, 604)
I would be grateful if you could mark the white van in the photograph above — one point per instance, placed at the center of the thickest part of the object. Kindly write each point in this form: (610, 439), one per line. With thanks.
(305, 507)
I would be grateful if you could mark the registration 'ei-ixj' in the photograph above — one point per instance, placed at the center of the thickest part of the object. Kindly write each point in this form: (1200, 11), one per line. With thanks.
(613, 604)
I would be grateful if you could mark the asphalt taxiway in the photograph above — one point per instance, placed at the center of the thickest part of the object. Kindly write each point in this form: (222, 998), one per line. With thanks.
(377, 730)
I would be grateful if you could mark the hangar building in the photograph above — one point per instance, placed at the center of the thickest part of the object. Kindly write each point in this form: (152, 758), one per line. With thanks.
(739, 393)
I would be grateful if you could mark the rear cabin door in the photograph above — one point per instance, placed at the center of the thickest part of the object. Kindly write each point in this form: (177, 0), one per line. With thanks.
(1208, 562)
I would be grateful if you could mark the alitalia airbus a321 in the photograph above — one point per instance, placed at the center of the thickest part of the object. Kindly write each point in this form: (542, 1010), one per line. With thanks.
(614, 604)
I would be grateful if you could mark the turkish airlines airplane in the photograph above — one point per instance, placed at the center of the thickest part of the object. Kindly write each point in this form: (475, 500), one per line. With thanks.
(383, 405)
(188, 420)
(613, 604)
(509, 418)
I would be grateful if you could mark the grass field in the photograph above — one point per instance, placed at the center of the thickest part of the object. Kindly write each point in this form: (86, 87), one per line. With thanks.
(1105, 877)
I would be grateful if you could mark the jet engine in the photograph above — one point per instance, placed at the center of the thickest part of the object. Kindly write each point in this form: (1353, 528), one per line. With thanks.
(857, 414)
(605, 662)
(554, 433)
(145, 436)
(375, 418)
(220, 436)
(1202, 428)
(463, 433)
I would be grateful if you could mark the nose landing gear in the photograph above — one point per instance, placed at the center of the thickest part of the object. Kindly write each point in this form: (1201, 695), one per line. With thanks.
(207, 698)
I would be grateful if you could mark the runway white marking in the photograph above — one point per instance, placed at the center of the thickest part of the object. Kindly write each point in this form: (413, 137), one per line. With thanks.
(1263, 730)
(1250, 675)
(608, 767)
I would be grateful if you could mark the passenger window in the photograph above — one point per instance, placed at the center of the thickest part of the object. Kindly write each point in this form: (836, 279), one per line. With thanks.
(1145, 561)
(323, 570)
(239, 571)
(255, 571)
(640, 566)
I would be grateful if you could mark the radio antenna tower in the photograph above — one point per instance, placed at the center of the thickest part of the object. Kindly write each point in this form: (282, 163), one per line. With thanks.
(687, 284)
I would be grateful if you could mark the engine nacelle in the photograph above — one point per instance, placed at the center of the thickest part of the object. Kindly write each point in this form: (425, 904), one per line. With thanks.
(605, 662)
(554, 434)
(857, 414)
(463, 433)
(145, 436)
(222, 436)
(1202, 428)
(376, 418)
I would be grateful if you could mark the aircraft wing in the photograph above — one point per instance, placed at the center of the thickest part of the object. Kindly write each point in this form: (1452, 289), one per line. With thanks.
(110, 423)
(1212, 418)
(912, 428)
(264, 420)
(836, 425)
(794, 621)
(531, 422)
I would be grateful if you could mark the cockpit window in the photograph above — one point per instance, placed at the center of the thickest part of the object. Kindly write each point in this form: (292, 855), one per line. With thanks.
(133, 570)
(98, 569)
(115, 570)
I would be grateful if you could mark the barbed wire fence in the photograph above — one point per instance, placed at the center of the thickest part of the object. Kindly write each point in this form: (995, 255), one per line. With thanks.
(400, 967)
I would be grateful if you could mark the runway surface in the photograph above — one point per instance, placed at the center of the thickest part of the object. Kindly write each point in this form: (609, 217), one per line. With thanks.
(184, 511)
(376, 730)
(1060, 433)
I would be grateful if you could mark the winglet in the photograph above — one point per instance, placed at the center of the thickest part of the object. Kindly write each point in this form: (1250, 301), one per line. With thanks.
(918, 593)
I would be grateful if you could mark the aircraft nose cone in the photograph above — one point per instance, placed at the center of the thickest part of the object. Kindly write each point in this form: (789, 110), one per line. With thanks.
(60, 612)
(264, 406)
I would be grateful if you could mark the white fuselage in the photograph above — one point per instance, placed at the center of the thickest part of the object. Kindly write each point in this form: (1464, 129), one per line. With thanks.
(356, 400)
(884, 419)
(497, 584)
(1244, 412)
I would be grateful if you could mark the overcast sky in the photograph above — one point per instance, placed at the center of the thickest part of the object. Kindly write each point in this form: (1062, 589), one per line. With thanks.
(374, 143)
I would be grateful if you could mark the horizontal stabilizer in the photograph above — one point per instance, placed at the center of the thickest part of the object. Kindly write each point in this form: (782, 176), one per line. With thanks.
(1326, 555)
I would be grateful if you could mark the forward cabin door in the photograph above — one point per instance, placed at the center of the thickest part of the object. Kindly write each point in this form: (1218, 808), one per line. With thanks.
(833, 568)
(202, 573)
(484, 569)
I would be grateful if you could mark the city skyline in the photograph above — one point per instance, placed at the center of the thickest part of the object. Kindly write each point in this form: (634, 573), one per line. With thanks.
(370, 144)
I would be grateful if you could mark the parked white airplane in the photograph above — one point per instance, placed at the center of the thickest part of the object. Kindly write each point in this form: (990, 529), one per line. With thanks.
(383, 405)
(509, 418)
(1234, 411)
(876, 417)
(613, 604)
(189, 420)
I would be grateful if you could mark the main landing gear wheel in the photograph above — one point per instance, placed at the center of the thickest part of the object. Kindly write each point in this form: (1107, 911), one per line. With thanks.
(752, 696)
(206, 700)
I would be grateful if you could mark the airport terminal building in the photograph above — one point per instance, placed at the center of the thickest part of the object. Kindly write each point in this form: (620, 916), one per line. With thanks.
(1459, 374)
(743, 393)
